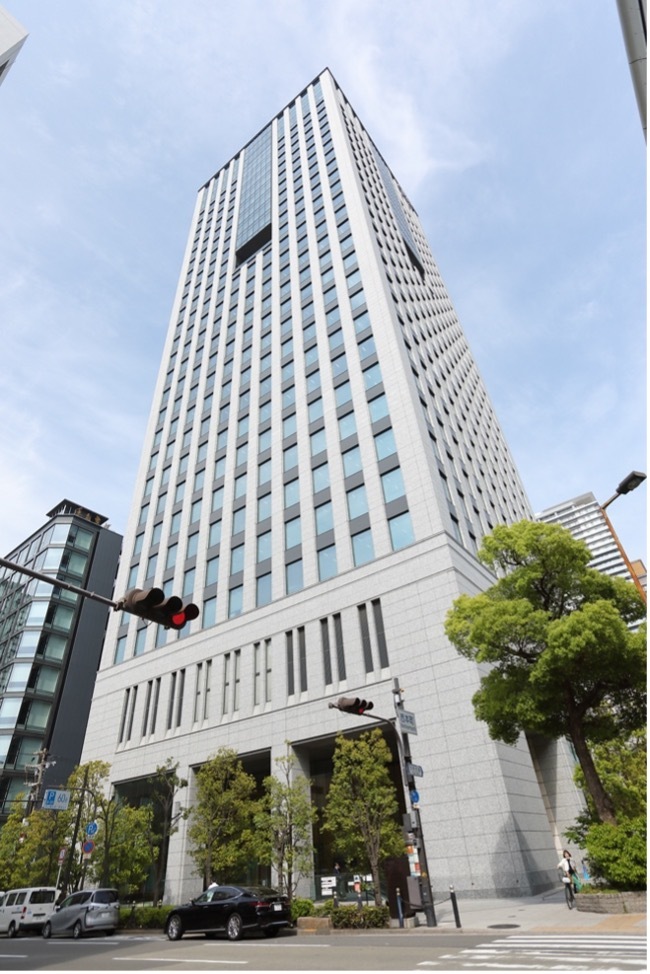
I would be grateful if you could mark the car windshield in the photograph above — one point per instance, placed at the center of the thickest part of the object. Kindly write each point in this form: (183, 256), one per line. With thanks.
(260, 891)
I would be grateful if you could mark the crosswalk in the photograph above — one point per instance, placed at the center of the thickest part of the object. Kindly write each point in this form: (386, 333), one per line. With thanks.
(558, 953)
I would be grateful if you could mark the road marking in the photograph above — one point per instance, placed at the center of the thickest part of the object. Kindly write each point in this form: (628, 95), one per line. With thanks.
(179, 960)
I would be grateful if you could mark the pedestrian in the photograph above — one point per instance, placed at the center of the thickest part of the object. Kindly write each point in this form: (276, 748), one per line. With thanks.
(569, 870)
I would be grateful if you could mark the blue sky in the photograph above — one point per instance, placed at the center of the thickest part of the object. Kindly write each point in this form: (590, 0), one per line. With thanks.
(511, 125)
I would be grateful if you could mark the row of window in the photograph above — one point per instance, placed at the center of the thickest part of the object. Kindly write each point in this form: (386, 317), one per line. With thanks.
(192, 691)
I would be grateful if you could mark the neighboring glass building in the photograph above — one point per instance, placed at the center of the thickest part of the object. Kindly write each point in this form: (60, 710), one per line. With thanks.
(50, 646)
(321, 463)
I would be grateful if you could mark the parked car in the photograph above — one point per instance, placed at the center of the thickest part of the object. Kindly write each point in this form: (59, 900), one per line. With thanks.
(232, 910)
(87, 911)
(26, 909)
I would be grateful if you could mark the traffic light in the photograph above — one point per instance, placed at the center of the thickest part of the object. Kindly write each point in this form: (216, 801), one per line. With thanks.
(352, 705)
(151, 604)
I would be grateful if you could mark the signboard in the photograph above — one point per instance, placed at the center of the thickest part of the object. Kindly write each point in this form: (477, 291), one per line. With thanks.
(56, 800)
(407, 721)
(414, 770)
(91, 829)
(88, 847)
(62, 853)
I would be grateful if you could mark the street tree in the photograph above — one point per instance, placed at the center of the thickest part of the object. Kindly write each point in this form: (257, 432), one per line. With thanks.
(165, 784)
(361, 805)
(283, 824)
(556, 635)
(221, 829)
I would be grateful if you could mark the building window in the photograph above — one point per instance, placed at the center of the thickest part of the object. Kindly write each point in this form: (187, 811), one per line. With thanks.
(292, 493)
(235, 601)
(292, 533)
(365, 638)
(357, 502)
(264, 589)
(293, 573)
(320, 477)
(385, 444)
(362, 547)
(237, 559)
(401, 531)
(140, 639)
(392, 484)
(209, 615)
(327, 563)
(324, 518)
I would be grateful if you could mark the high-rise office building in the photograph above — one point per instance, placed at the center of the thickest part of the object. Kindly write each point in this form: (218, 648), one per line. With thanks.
(321, 462)
(12, 38)
(585, 519)
(50, 645)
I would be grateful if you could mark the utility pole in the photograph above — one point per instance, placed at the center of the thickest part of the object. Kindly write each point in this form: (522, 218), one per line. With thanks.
(407, 772)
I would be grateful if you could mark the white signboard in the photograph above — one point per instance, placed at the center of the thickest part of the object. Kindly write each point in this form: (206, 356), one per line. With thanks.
(407, 721)
(56, 800)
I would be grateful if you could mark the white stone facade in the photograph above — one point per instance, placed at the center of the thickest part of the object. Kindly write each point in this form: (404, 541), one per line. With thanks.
(319, 424)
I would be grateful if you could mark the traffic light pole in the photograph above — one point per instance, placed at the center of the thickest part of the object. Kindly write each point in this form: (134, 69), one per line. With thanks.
(352, 705)
(425, 879)
(56, 582)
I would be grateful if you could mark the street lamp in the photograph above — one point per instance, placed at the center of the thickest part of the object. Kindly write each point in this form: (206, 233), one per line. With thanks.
(628, 484)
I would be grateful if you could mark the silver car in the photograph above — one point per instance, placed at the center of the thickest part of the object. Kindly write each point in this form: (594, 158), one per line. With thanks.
(84, 912)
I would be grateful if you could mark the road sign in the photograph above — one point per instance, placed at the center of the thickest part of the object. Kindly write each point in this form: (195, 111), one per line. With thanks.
(407, 721)
(414, 770)
(91, 828)
(88, 846)
(62, 852)
(56, 800)
(415, 797)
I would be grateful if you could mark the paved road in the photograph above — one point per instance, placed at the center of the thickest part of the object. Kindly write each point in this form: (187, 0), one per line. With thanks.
(395, 951)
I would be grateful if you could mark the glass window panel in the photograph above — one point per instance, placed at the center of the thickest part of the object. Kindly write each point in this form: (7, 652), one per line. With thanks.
(372, 376)
(378, 408)
(239, 520)
(317, 442)
(192, 544)
(292, 533)
(209, 614)
(401, 531)
(237, 559)
(315, 410)
(321, 477)
(235, 601)
(264, 472)
(289, 425)
(212, 570)
(347, 426)
(324, 518)
(392, 484)
(327, 563)
(214, 536)
(385, 444)
(290, 458)
(264, 548)
(357, 502)
(240, 485)
(293, 574)
(264, 507)
(343, 394)
(264, 589)
(264, 441)
(352, 461)
(362, 547)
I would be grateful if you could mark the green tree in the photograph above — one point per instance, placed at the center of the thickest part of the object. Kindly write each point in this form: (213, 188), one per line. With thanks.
(283, 824)
(165, 785)
(122, 854)
(555, 633)
(221, 830)
(361, 805)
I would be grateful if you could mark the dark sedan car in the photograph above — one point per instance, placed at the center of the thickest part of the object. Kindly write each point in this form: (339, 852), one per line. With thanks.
(232, 910)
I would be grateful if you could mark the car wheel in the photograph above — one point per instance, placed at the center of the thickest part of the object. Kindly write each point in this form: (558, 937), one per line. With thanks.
(271, 931)
(47, 930)
(77, 930)
(234, 927)
(12, 931)
(175, 927)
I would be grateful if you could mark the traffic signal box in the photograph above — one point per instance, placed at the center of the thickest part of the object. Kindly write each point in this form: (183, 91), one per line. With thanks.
(151, 604)
(352, 705)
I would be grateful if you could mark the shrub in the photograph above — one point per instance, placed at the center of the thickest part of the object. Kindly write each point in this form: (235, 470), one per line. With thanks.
(143, 917)
(617, 854)
(301, 908)
(351, 918)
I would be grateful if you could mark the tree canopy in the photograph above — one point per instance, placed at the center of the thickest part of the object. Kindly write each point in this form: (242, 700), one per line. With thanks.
(563, 660)
(361, 804)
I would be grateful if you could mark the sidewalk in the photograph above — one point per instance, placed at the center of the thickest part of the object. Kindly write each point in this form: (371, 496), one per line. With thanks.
(545, 913)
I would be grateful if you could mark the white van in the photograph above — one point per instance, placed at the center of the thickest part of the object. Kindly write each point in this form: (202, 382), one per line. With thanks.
(26, 909)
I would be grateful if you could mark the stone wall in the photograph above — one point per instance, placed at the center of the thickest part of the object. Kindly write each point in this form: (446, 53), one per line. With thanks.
(611, 902)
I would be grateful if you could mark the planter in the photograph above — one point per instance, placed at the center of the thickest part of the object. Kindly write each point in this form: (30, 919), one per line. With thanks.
(319, 925)
(611, 902)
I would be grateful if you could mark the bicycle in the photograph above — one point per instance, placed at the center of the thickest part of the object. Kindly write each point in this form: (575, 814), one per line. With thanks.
(568, 892)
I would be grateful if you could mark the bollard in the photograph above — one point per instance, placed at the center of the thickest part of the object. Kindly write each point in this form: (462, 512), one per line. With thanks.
(400, 912)
(454, 904)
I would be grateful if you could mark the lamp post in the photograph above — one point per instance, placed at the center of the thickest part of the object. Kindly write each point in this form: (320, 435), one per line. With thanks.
(628, 484)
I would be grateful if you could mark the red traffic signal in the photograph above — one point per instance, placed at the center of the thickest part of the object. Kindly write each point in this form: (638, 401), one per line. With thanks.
(151, 604)
(352, 705)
